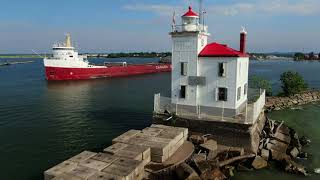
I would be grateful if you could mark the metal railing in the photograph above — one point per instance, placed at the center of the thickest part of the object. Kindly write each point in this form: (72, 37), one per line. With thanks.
(248, 115)
(196, 27)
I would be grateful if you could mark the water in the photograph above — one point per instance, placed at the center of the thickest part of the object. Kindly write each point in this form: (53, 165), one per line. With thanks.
(42, 124)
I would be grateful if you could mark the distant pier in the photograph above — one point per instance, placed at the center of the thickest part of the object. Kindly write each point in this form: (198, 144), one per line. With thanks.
(8, 63)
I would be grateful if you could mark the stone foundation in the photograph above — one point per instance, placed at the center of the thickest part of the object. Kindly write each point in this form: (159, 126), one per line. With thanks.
(225, 133)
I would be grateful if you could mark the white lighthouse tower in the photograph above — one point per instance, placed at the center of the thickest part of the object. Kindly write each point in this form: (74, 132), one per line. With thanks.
(207, 78)
(188, 40)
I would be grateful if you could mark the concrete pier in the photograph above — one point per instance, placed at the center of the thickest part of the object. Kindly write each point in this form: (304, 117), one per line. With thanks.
(126, 158)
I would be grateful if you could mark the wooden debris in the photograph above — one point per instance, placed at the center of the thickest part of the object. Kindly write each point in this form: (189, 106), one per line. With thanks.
(215, 174)
(184, 171)
(210, 145)
(197, 139)
(295, 168)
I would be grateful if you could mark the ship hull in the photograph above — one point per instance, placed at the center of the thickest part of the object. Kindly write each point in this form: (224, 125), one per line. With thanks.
(65, 73)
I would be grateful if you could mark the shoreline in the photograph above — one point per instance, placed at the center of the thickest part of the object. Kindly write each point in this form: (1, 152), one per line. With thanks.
(276, 103)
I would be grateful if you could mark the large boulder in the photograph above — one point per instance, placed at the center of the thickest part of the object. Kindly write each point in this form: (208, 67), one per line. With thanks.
(259, 163)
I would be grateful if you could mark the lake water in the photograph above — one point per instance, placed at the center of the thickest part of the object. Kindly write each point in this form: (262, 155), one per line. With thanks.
(42, 123)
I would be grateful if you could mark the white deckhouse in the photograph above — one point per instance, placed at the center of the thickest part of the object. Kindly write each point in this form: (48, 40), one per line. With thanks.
(209, 81)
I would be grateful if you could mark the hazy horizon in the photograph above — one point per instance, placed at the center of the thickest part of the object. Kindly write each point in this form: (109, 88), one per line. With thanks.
(140, 25)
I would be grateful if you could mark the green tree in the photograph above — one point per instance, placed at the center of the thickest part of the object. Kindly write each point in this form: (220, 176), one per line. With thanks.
(258, 82)
(292, 83)
(299, 56)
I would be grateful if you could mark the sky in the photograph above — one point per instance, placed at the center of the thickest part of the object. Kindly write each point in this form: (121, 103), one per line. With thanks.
(106, 26)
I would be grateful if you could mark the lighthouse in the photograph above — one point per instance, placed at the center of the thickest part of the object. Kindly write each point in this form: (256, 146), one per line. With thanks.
(209, 87)
(207, 78)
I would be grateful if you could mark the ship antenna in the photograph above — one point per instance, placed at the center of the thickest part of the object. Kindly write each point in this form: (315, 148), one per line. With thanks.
(36, 53)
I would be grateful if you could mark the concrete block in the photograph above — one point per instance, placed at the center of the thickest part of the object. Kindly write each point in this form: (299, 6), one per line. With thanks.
(152, 138)
(59, 169)
(150, 131)
(83, 172)
(146, 160)
(146, 151)
(107, 158)
(158, 148)
(94, 164)
(66, 177)
(137, 165)
(82, 156)
(126, 136)
(130, 154)
(115, 148)
(105, 176)
(184, 130)
(176, 147)
(175, 136)
(159, 158)
(128, 169)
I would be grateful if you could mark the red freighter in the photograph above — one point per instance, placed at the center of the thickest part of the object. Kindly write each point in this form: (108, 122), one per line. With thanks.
(67, 64)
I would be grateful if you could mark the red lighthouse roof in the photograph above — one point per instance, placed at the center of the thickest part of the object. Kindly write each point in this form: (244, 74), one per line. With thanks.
(220, 50)
(190, 13)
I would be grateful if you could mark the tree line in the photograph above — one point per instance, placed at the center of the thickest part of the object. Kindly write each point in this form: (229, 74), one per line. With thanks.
(309, 56)
(291, 83)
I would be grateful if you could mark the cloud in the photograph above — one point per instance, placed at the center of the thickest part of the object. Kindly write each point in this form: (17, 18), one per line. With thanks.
(264, 7)
(270, 7)
(162, 10)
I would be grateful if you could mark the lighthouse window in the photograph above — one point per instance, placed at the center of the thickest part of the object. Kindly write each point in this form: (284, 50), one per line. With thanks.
(183, 92)
(184, 68)
(222, 69)
(222, 94)
(239, 93)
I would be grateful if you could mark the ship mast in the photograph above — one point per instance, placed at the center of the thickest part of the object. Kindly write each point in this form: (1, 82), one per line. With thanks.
(68, 40)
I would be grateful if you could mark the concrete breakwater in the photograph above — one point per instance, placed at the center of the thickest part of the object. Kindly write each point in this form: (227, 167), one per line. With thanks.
(278, 103)
(7, 63)
(167, 152)
(133, 155)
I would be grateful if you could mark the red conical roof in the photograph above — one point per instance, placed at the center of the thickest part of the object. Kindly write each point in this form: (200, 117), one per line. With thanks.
(190, 13)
